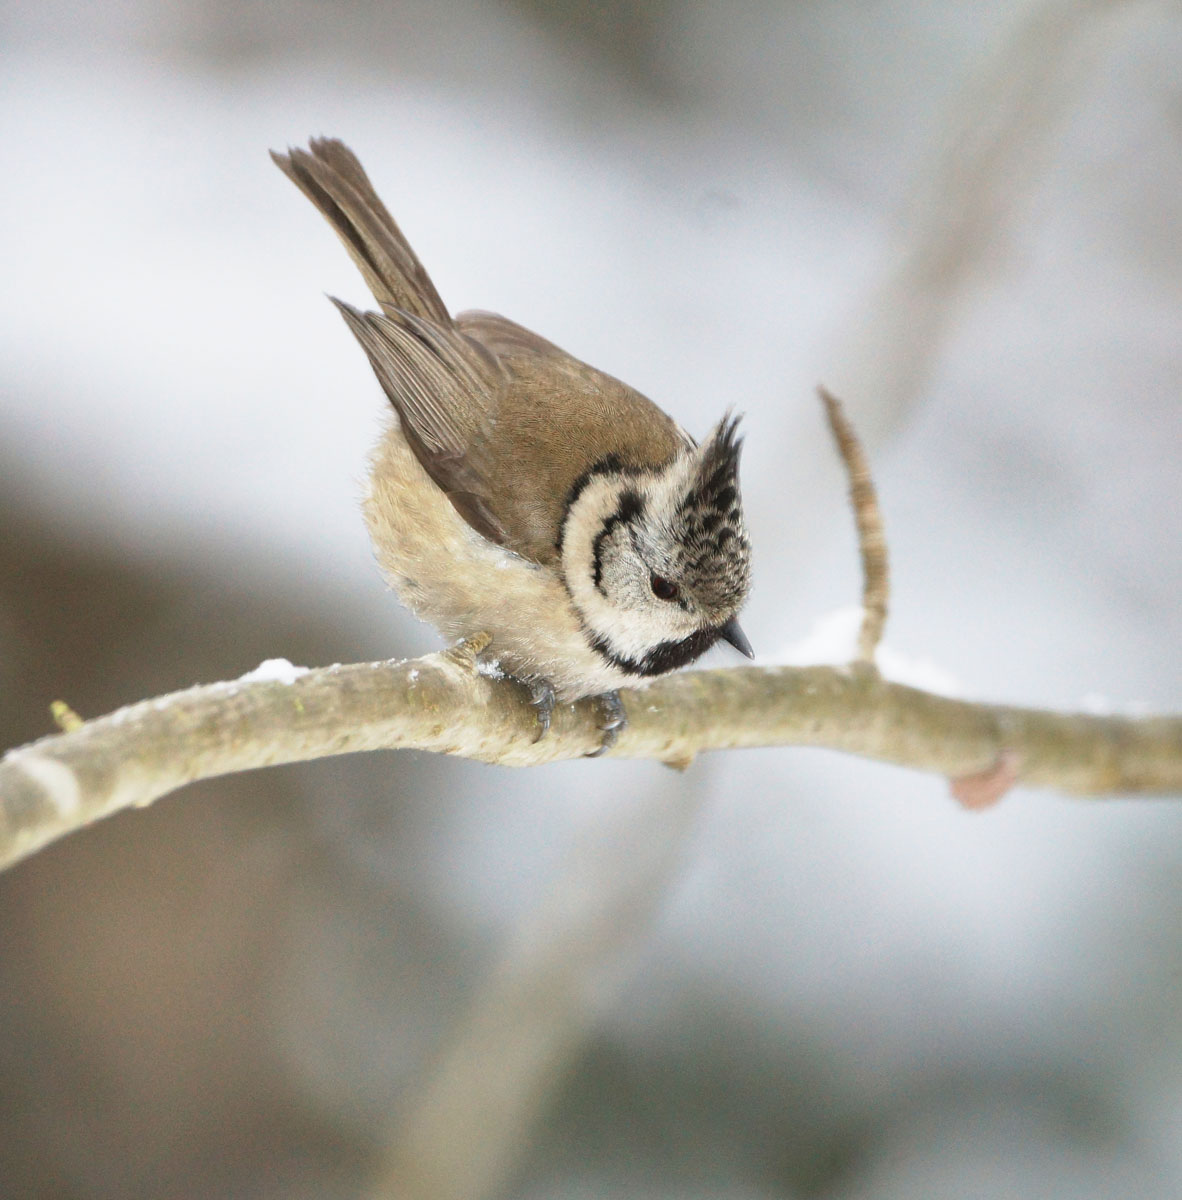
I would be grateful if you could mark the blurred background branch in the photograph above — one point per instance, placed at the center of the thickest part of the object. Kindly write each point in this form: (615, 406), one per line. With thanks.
(962, 220)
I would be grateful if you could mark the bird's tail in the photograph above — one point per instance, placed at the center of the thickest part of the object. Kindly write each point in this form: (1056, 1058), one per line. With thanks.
(329, 174)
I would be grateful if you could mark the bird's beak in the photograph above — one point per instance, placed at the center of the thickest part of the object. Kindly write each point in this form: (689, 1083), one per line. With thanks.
(732, 633)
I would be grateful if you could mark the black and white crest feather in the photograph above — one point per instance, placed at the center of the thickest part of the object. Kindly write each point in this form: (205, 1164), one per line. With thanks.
(711, 538)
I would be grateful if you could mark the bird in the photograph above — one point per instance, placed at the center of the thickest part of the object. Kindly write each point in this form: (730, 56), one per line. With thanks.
(520, 495)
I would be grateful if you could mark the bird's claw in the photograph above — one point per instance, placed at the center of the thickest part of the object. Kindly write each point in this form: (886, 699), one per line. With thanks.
(541, 696)
(615, 721)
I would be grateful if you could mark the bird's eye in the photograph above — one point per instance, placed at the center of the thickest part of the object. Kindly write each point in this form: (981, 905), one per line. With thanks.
(663, 589)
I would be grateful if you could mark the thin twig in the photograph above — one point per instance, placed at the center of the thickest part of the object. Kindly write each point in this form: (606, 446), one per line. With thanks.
(871, 536)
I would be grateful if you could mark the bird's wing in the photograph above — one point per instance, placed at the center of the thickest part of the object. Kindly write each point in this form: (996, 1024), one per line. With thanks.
(445, 389)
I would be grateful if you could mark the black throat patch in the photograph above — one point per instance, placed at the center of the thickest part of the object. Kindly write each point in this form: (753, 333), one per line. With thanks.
(662, 658)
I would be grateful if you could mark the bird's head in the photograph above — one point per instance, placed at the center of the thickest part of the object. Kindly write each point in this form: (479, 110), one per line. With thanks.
(657, 562)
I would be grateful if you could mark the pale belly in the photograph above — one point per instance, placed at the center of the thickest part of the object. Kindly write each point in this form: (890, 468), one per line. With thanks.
(463, 584)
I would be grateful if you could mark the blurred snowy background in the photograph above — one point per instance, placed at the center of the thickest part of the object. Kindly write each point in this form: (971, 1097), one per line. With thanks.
(784, 974)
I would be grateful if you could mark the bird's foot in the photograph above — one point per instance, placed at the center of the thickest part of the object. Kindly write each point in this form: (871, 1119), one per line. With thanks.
(541, 696)
(615, 721)
(467, 650)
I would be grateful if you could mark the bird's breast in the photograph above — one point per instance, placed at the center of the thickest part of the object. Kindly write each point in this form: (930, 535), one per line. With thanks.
(463, 584)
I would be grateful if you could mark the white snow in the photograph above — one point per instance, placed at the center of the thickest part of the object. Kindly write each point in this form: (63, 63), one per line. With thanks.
(834, 638)
(274, 670)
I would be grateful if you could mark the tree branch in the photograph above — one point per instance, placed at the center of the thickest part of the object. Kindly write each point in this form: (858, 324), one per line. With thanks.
(872, 544)
(440, 702)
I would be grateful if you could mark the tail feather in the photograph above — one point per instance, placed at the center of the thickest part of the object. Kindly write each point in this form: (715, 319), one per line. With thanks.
(329, 174)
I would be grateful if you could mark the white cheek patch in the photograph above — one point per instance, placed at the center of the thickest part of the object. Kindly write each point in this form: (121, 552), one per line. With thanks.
(631, 631)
